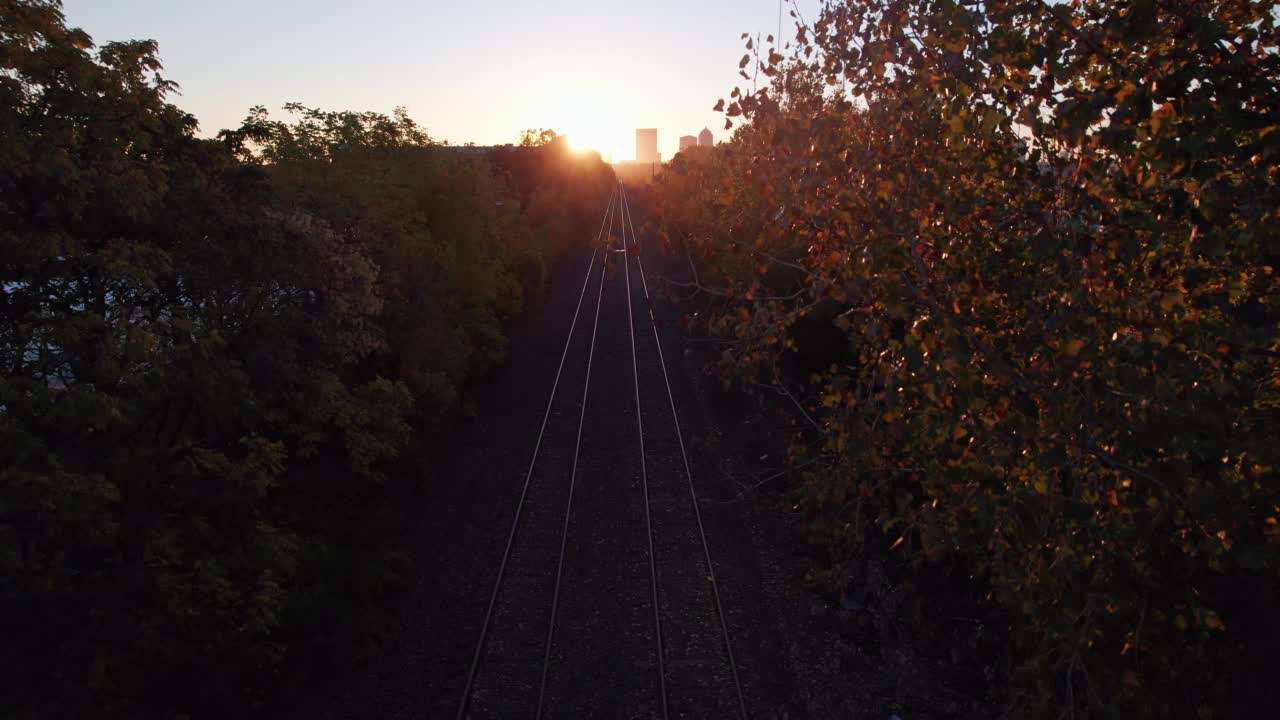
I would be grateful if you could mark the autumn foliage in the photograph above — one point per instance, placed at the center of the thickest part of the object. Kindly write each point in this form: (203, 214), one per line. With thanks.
(1016, 263)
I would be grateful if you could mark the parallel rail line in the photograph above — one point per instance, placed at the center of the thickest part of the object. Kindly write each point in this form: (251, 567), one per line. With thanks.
(524, 491)
(618, 209)
(693, 493)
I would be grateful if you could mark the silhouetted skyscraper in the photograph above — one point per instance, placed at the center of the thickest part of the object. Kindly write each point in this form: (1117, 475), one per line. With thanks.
(705, 138)
(647, 145)
(688, 141)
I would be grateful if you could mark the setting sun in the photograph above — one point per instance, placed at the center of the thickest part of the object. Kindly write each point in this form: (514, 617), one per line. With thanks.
(591, 122)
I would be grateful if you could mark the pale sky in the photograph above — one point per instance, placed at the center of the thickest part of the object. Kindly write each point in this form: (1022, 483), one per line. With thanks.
(469, 70)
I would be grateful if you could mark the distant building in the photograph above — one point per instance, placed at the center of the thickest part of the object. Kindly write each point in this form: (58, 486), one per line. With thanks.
(705, 138)
(647, 145)
(687, 141)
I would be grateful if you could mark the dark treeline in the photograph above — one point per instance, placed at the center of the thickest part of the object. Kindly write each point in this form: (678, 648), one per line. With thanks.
(224, 361)
(1012, 267)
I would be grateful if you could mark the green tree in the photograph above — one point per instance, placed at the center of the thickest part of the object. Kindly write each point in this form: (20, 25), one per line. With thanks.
(176, 344)
(215, 355)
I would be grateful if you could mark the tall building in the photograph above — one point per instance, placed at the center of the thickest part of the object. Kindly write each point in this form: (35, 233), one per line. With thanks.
(687, 141)
(647, 145)
(705, 138)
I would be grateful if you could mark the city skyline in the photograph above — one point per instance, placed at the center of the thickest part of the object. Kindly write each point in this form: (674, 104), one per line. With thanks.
(647, 144)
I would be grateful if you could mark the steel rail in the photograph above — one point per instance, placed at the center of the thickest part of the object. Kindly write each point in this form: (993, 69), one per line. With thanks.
(573, 477)
(693, 493)
(644, 474)
(465, 704)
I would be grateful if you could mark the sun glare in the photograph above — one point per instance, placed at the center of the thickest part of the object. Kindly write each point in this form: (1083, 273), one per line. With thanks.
(591, 122)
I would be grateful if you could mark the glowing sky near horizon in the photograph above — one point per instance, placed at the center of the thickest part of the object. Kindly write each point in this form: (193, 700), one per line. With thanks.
(468, 71)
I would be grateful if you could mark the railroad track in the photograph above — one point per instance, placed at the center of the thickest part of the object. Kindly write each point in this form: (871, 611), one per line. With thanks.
(607, 509)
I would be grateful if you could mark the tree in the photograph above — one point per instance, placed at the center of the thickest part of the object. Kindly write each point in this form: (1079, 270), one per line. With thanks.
(177, 348)
(215, 354)
(1048, 235)
(537, 138)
